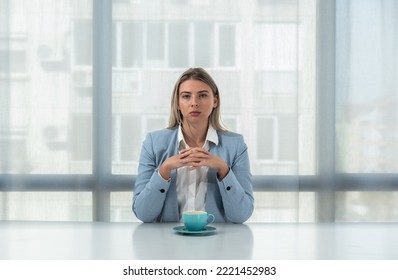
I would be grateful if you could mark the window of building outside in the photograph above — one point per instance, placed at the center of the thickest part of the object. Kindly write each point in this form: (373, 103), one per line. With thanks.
(262, 55)
(151, 46)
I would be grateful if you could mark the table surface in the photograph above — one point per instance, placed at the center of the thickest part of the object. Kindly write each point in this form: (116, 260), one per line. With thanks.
(261, 241)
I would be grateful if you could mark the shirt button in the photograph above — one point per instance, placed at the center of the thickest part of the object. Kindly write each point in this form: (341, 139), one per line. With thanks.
(162, 190)
(228, 188)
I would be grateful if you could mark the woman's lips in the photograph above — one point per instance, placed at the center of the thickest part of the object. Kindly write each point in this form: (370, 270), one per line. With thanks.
(194, 113)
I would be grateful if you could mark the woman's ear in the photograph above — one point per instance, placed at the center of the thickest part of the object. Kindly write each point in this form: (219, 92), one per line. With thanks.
(215, 104)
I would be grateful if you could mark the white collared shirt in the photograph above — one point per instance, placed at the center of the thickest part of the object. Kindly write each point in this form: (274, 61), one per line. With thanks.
(192, 185)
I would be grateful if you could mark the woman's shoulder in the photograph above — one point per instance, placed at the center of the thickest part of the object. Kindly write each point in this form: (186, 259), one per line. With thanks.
(231, 142)
(165, 132)
(230, 138)
(161, 139)
(229, 134)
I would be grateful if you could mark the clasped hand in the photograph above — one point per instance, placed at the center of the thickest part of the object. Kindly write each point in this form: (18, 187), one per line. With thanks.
(197, 157)
(194, 158)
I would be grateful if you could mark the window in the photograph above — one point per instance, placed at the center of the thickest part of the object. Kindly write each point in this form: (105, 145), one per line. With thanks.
(227, 43)
(173, 44)
(13, 145)
(203, 42)
(83, 44)
(277, 138)
(125, 143)
(276, 82)
(126, 52)
(13, 61)
(81, 138)
(310, 86)
(178, 45)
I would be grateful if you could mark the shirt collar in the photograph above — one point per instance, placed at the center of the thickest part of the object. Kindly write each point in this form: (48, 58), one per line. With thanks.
(211, 136)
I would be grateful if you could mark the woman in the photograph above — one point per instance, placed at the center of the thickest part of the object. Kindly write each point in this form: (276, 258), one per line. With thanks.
(194, 164)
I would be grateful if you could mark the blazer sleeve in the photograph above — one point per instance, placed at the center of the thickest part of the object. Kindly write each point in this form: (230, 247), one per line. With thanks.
(236, 187)
(150, 188)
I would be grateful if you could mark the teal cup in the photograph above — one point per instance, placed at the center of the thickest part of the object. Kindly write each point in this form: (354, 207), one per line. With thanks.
(197, 220)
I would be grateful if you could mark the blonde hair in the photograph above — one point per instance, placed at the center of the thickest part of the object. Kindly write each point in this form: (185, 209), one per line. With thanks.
(198, 74)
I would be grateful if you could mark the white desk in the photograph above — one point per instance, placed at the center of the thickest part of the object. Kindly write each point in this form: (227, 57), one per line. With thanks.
(79, 240)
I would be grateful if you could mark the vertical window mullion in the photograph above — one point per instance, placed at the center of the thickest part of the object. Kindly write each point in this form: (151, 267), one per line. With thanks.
(326, 47)
(102, 107)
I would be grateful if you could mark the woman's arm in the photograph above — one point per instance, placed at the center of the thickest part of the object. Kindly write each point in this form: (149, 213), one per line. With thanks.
(150, 188)
(236, 188)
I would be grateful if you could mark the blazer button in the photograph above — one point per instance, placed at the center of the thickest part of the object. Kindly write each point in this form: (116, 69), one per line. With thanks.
(162, 190)
(228, 188)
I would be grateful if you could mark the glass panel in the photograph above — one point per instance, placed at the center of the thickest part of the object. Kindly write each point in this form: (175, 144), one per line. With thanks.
(284, 207)
(278, 82)
(45, 83)
(46, 206)
(129, 140)
(178, 45)
(155, 42)
(204, 41)
(277, 46)
(121, 207)
(81, 138)
(265, 140)
(366, 99)
(227, 46)
(156, 123)
(13, 61)
(132, 44)
(230, 123)
(367, 206)
(288, 141)
(82, 33)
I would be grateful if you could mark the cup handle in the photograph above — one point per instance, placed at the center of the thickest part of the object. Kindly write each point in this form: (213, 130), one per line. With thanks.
(212, 218)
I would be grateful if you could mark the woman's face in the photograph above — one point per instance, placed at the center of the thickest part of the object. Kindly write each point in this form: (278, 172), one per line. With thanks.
(196, 101)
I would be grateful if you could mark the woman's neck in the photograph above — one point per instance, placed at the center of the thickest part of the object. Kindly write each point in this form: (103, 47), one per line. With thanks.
(194, 135)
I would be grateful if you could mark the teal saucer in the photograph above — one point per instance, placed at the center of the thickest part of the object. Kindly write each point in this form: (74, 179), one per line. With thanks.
(205, 231)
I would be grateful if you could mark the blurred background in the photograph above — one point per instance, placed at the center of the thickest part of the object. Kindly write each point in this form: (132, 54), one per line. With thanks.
(311, 84)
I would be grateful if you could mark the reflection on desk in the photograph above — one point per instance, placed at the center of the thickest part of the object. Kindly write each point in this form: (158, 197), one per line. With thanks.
(150, 241)
(124, 241)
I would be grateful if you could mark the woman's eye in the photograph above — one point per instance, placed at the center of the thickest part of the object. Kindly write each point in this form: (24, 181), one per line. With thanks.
(185, 96)
(203, 95)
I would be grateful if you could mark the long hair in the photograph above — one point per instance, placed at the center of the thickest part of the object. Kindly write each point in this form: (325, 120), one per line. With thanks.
(198, 74)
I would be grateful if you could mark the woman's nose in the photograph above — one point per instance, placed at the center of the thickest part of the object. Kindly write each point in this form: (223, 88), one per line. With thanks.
(194, 102)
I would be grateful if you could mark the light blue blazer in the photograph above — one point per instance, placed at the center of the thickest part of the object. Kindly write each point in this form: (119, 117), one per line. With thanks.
(229, 200)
